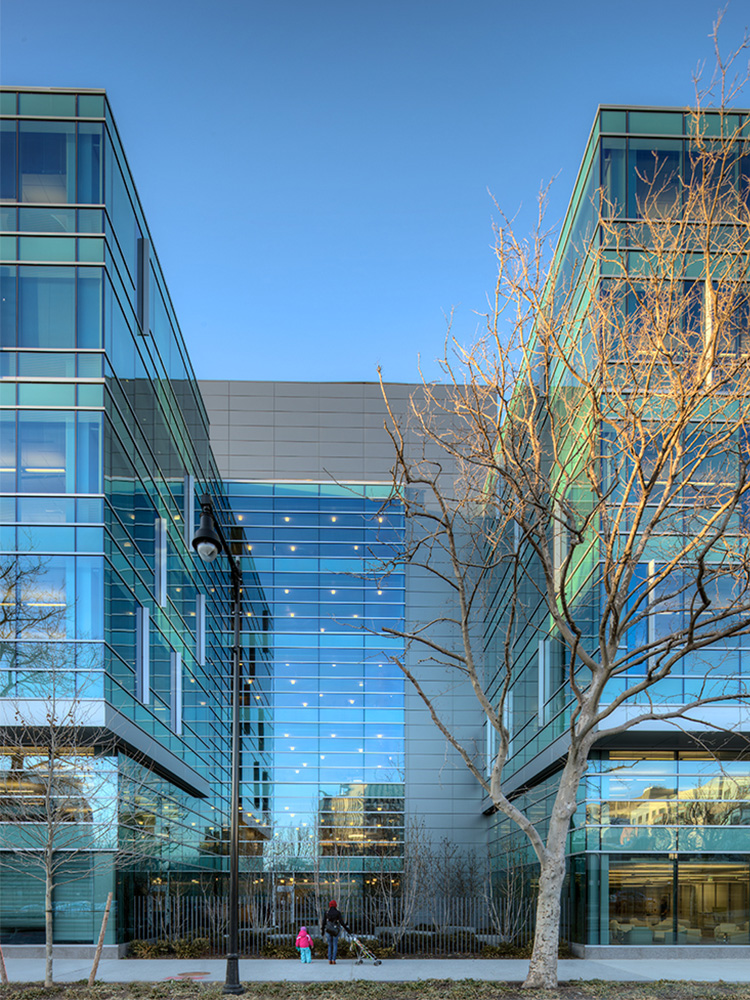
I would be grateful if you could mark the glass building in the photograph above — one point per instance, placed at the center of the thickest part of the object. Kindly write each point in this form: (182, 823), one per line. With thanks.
(354, 756)
(658, 848)
(105, 450)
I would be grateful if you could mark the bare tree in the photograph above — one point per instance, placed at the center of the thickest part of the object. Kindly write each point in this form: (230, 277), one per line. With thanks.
(584, 486)
(60, 817)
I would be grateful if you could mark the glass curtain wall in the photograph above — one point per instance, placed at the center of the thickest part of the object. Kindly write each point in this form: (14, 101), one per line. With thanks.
(104, 450)
(334, 782)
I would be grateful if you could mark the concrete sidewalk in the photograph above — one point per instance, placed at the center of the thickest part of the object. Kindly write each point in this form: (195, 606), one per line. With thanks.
(392, 970)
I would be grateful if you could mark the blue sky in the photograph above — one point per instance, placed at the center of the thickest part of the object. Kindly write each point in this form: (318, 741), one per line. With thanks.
(316, 172)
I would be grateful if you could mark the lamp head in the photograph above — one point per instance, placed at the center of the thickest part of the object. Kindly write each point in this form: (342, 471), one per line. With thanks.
(206, 541)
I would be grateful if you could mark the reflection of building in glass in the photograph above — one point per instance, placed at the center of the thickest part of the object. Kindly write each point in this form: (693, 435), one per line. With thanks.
(104, 443)
(362, 819)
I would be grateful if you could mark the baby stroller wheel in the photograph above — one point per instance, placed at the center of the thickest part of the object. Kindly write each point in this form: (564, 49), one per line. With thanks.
(377, 961)
(359, 961)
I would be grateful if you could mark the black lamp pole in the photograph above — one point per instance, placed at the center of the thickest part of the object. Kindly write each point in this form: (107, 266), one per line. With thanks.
(208, 542)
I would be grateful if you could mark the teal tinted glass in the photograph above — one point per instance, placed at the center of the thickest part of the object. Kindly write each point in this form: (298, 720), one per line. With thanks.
(8, 219)
(47, 220)
(46, 394)
(91, 105)
(91, 251)
(57, 105)
(612, 121)
(90, 220)
(8, 104)
(8, 247)
(91, 395)
(47, 248)
(656, 122)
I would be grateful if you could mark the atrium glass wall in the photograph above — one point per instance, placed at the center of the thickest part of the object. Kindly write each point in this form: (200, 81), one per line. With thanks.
(104, 451)
(338, 701)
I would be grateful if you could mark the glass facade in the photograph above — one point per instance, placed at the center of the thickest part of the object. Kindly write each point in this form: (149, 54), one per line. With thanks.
(104, 452)
(336, 741)
(659, 848)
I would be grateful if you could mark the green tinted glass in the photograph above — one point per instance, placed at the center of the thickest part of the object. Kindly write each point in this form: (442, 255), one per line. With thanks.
(656, 122)
(91, 105)
(58, 105)
(47, 248)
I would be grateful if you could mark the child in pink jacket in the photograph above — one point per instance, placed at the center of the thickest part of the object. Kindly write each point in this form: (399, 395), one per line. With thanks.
(305, 944)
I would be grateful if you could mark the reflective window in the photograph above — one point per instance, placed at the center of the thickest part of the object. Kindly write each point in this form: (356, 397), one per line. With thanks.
(46, 307)
(47, 162)
(46, 446)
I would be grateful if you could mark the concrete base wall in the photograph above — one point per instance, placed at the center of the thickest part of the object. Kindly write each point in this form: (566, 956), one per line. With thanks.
(681, 951)
(82, 951)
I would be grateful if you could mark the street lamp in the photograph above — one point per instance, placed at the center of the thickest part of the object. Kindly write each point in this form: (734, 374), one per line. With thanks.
(208, 542)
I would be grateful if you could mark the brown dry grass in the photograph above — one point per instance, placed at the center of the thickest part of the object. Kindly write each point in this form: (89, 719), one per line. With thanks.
(428, 990)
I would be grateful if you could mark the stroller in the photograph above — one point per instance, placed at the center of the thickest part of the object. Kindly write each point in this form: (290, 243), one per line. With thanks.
(363, 952)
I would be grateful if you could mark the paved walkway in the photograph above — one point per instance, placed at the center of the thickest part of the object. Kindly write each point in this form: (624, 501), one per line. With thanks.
(392, 970)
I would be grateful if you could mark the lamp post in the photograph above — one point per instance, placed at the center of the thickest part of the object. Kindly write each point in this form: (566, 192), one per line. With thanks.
(208, 542)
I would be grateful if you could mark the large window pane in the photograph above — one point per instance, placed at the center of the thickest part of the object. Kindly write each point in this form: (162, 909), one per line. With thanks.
(654, 176)
(90, 164)
(7, 306)
(46, 307)
(8, 160)
(89, 308)
(47, 162)
(46, 452)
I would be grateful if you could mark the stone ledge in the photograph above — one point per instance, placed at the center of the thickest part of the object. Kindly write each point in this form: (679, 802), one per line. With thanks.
(645, 952)
(82, 951)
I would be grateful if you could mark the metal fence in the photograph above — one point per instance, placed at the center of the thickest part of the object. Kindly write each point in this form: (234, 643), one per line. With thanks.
(432, 928)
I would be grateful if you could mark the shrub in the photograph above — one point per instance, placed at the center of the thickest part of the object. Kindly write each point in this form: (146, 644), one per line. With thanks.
(149, 949)
(192, 947)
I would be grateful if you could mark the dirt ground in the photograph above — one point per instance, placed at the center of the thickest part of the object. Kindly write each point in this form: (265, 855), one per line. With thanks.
(428, 990)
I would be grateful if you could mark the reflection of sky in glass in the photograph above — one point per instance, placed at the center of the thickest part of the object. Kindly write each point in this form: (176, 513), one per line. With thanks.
(338, 701)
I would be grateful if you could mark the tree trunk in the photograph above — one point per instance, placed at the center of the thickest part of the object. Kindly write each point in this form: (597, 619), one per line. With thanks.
(48, 930)
(3, 971)
(543, 964)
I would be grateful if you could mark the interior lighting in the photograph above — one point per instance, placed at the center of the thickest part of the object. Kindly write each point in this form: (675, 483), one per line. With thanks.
(292, 548)
(304, 704)
(333, 518)
(286, 591)
(293, 680)
(333, 591)
(287, 519)
(380, 593)
(356, 547)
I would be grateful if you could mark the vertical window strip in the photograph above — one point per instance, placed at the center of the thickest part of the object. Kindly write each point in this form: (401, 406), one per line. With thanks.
(160, 561)
(200, 629)
(143, 665)
(544, 680)
(143, 280)
(175, 691)
(188, 513)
